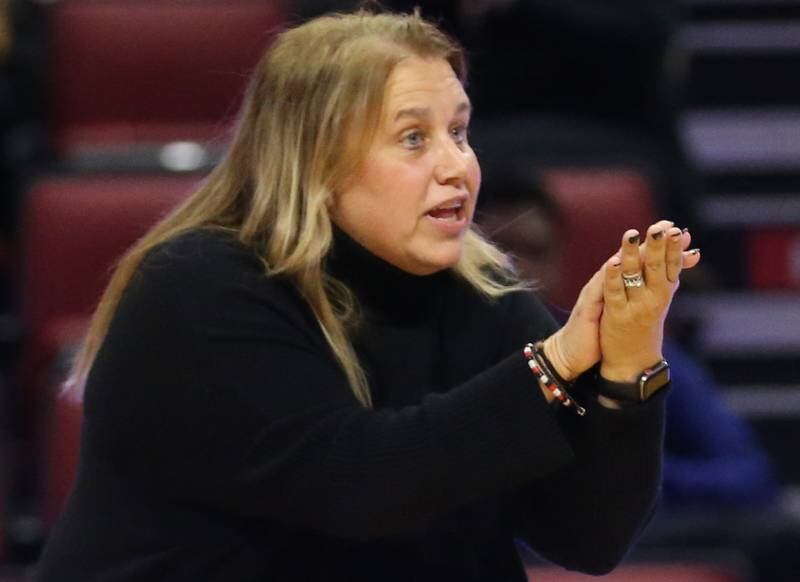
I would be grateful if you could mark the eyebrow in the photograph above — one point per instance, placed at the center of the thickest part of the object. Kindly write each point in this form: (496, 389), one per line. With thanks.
(425, 112)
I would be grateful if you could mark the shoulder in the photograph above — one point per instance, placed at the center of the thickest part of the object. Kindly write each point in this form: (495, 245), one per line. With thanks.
(209, 275)
(204, 261)
(201, 251)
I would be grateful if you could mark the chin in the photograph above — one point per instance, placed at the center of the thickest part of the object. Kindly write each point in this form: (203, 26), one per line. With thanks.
(434, 262)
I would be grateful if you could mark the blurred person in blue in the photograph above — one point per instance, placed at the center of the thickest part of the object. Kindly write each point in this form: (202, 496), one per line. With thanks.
(719, 487)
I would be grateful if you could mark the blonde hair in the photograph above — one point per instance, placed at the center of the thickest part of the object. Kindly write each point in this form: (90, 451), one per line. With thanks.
(317, 90)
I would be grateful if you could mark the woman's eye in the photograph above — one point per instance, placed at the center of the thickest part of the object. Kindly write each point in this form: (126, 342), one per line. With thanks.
(459, 134)
(413, 139)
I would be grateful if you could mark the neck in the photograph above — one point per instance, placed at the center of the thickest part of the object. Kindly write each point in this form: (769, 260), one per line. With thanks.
(381, 288)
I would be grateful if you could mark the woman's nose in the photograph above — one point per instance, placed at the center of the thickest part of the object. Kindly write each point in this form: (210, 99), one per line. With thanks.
(451, 164)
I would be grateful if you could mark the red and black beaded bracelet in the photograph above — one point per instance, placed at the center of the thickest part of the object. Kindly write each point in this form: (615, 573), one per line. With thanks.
(547, 377)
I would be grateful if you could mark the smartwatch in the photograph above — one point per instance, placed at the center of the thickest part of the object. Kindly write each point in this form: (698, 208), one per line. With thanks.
(650, 381)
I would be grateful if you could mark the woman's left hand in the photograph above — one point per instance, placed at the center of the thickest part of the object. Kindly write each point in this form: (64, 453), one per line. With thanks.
(640, 281)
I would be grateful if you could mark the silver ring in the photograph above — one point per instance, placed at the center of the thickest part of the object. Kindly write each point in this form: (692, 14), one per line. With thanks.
(634, 280)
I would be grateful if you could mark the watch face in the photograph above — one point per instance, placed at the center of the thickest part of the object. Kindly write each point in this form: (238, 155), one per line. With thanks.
(654, 379)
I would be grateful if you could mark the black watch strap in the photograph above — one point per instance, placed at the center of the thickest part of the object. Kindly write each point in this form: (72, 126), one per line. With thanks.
(650, 381)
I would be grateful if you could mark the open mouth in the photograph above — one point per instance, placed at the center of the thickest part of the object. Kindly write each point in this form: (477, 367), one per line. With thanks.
(450, 212)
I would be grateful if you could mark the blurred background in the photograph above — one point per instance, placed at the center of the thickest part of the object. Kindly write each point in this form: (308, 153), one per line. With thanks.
(591, 116)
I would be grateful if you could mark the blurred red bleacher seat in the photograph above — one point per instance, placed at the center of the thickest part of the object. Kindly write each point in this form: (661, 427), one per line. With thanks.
(640, 573)
(74, 231)
(773, 258)
(597, 206)
(152, 71)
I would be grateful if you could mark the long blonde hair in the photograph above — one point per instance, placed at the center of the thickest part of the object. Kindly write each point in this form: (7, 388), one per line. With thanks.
(310, 111)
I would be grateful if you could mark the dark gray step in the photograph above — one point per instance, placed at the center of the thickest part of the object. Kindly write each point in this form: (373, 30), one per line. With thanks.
(744, 80)
(743, 326)
(743, 371)
(743, 140)
(779, 437)
(700, 10)
(748, 63)
(741, 37)
(764, 401)
(767, 183)
(743, 210)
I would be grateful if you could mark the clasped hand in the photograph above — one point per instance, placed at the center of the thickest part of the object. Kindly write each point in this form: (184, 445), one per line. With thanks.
(620, 323)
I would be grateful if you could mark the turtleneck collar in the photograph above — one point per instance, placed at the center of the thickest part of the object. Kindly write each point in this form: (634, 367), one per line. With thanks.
(383, 290)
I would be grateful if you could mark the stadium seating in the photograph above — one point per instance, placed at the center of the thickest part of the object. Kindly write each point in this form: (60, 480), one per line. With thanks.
(597, 205)
(75, 229)
(151, 71)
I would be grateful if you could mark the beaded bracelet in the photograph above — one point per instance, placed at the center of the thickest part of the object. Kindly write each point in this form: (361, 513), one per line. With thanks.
(548, 378)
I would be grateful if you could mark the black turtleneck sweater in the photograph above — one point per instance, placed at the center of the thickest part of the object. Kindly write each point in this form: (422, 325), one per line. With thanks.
(221, 441)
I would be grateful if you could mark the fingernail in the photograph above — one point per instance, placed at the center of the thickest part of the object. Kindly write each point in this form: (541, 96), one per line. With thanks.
(658, 235)
(693, 252)
(633, 239)
(676, 235)
(685, 230)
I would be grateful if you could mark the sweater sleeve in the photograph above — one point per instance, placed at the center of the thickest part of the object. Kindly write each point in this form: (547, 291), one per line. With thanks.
(586, 515)
(255, 417)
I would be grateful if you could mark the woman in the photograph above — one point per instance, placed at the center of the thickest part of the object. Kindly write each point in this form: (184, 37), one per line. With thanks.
(315, 369)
